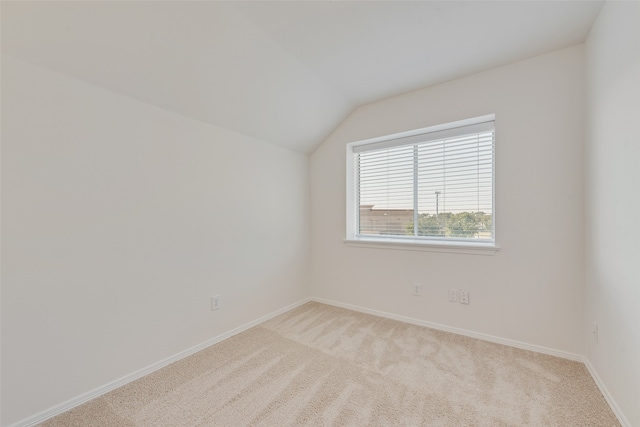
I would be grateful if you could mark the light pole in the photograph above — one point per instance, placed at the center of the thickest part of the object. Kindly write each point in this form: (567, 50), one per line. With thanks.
(437, 197)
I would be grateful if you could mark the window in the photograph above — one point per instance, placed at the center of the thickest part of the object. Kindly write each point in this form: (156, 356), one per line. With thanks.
(430, 187)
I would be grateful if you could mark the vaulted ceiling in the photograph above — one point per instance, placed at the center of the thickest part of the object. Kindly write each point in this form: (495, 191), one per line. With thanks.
(283, 72)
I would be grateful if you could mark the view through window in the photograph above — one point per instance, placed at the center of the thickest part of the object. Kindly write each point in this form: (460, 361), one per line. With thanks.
(432, 186)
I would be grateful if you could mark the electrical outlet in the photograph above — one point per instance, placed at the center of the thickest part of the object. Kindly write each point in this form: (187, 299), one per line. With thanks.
(417, 289)
(464, 297)
(215, 302)
(594, 331)
(453, 295)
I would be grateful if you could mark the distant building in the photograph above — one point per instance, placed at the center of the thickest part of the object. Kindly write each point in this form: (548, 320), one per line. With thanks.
(384, 221)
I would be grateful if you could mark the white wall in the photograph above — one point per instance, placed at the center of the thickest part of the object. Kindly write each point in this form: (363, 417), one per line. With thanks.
(119, 221)
(612, 193)
(532, 290)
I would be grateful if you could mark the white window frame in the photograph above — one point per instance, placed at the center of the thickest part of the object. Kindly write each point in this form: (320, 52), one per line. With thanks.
(404, 243)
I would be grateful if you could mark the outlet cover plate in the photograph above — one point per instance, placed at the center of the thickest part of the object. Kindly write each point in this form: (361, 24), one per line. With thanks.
(464, 297)
(215, 302)
(417, 289)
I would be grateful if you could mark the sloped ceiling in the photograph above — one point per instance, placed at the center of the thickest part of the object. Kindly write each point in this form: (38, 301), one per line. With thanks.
(283, 72)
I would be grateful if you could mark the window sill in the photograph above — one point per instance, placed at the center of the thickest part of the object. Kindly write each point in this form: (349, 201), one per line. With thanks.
(412, 245)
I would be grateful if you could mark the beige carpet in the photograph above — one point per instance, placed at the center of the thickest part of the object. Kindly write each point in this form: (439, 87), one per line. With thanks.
(325, 366)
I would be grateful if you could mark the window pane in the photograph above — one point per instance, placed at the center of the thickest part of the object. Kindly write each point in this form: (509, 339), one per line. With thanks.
(386, 191)
(455, 186)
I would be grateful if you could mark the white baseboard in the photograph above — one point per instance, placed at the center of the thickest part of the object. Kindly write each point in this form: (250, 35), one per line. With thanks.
(71, 403)
(605, 392)
(472, 334)
(76, 401)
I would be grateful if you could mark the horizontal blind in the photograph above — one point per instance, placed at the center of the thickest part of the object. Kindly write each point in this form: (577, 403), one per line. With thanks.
(430, 186)
(475, 128)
